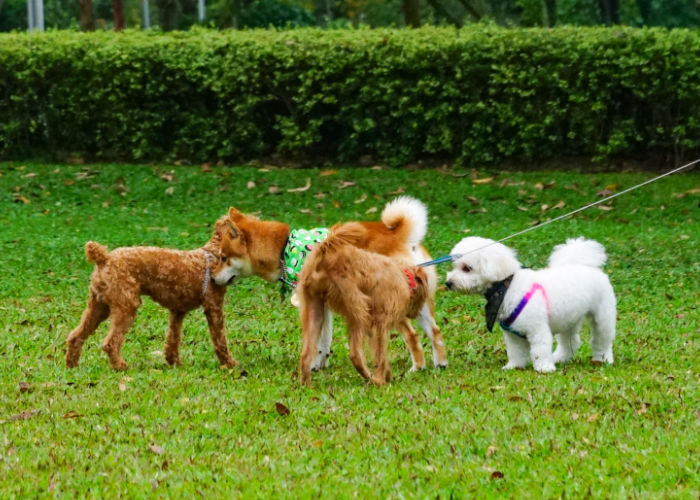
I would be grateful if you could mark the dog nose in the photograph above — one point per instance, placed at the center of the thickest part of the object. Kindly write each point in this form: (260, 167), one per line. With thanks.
(449, 285)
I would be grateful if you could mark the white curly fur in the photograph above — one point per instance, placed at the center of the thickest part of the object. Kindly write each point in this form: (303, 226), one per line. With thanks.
(574, 288)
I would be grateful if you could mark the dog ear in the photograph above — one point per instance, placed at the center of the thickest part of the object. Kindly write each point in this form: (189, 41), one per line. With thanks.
(233, 230)
(234, 214)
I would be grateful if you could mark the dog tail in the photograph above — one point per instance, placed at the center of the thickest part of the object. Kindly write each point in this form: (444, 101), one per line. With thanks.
(96, 253)
(408, 215)
(578, 251)
(350, 233)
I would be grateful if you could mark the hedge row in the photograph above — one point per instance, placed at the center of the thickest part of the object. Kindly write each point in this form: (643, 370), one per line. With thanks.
(479, 94)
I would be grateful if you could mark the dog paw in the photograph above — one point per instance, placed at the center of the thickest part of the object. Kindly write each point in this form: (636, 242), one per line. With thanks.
(544, 367)
(417, 368)
(511, 366)
(558, 357)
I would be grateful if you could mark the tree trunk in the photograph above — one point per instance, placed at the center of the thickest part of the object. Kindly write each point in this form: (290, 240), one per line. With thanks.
(551, 6)
(87, 21)
(118, 13)
(411, 13)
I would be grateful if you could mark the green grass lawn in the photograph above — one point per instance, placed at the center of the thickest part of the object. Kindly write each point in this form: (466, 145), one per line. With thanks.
(627, 430)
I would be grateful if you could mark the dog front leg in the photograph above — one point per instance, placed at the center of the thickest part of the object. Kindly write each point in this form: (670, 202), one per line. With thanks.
(324, 342)
(311, 312)
(426, 319)
(172, 342)
(215, 319)
(410, 337)
(122, 319)
(541, 350)
(517, 350)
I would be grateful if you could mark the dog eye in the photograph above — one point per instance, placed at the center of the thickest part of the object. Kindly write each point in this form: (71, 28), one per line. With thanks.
(223, 259)
(466, 268)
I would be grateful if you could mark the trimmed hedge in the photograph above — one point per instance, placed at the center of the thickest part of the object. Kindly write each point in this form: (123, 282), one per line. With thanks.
(478, 94)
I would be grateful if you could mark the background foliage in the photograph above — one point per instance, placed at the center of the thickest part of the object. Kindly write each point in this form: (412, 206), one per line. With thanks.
(479, 94)
(179, 14)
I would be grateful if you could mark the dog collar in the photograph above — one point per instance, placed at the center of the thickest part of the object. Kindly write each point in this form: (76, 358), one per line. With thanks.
(298, 247)
(411, 279)
(494, 298)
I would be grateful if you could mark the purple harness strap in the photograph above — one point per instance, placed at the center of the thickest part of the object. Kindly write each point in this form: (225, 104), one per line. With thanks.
(505, 324)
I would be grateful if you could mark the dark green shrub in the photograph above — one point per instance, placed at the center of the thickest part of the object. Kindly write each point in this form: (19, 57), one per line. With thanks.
(475, 95)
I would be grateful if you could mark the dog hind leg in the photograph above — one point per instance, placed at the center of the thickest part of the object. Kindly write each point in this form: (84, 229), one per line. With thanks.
(324, 343)
(382, 370)
(312, 318)
(95, 313)
(567, 344)
(172, 342)
(603, 330)
(122, 318)
(356, 355)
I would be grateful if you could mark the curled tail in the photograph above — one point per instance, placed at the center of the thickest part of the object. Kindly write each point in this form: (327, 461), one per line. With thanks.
(408, 215)
(96, 253)
(578, 251)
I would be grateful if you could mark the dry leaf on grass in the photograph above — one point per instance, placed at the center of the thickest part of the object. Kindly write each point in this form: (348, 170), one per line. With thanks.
(301, 189)
(158, 450)
(361, 198)
(484, 180)
(281, 409)
(346, 184)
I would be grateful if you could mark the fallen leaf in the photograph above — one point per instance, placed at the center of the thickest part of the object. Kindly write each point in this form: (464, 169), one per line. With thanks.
(346, 184)
(399, 190)
(122, 386)
(170, 191)
(605, 208)
(497, 474)
(301, 189)
(305, 210)
(71, 414)
(337, 204)
(24, 387)
(592, 418)
(361, 198)
(281, 409)
(544, 186)
(371, 210)
(491, 450)
(574, 416)
(326, 173)
(167, 177)
(604, 193)
(250, 185)
(643, 409)
(515, 397)
(544, 208)
(22, 199)
(523, 209)
(158, 450)
(273, 190)
(317, 444)
(560, 204)
(484, 180)
(318, 196)
(474, 201)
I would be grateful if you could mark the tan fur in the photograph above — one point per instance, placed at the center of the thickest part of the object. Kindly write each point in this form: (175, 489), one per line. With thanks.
(259, 244)
(371, 291)
(172, 278)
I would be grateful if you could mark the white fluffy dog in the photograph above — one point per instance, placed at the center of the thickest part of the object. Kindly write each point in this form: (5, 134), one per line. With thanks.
(533, 305)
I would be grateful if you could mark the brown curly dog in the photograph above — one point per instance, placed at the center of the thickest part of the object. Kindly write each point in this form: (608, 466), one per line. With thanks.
(178, 280)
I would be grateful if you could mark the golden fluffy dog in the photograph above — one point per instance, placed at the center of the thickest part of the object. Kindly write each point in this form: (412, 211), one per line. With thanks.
(374, 293)
(178, 280)
(256, 247)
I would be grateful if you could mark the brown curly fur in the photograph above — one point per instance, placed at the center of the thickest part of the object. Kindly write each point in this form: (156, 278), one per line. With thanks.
(371, 291)
(172, 278)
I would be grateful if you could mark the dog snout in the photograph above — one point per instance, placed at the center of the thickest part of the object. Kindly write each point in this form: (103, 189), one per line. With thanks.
(449, 284)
